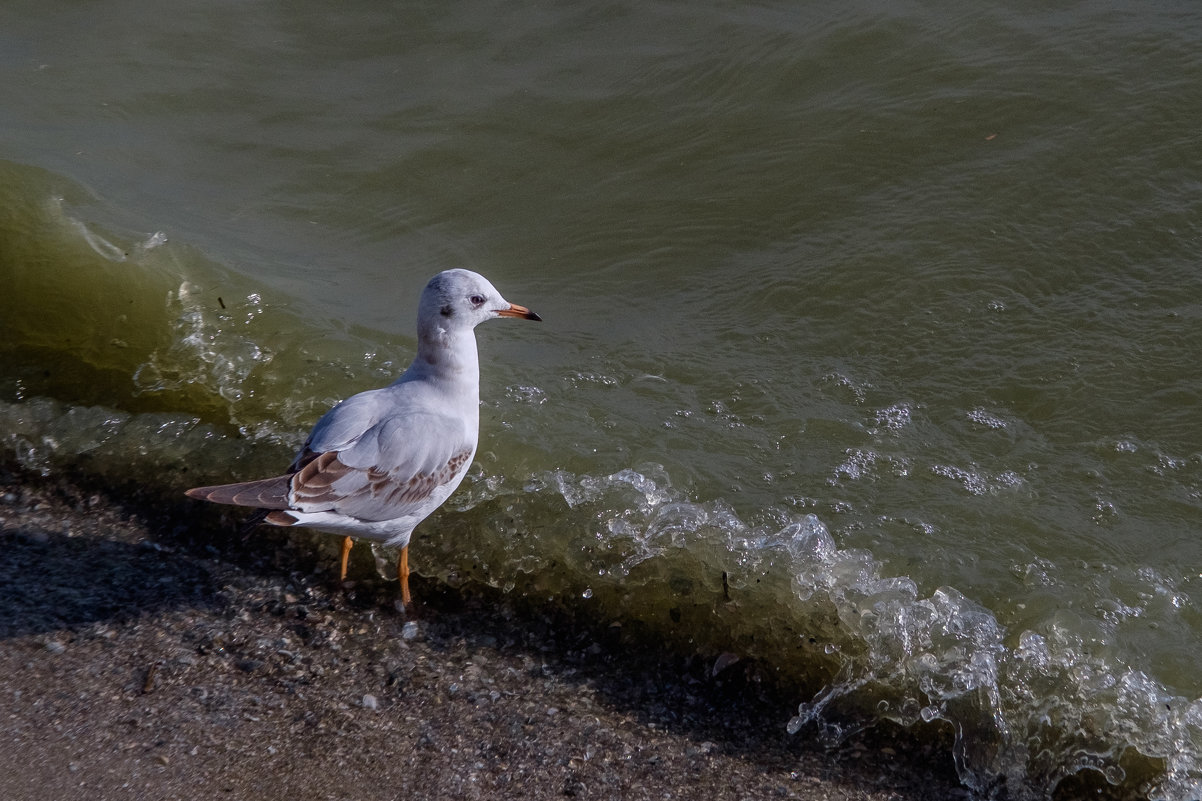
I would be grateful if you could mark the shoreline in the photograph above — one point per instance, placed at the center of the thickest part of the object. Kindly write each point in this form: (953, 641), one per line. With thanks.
(151, 653)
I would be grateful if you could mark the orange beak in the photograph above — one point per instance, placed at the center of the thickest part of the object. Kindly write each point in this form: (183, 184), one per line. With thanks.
(515, 310)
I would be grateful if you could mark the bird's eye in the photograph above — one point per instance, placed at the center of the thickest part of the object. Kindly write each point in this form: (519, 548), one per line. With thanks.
(477, 300)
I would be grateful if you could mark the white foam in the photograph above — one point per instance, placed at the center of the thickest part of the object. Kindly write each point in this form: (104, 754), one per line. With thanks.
(205, 349)
(1027, 707)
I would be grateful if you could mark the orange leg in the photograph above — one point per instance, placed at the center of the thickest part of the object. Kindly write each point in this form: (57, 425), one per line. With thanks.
(347, 543)
(402, 573)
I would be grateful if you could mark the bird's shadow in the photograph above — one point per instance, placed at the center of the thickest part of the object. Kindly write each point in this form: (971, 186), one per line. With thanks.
(51, 581)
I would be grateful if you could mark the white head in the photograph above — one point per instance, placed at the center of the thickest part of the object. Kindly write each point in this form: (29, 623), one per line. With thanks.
(464, 299)
(452, 304)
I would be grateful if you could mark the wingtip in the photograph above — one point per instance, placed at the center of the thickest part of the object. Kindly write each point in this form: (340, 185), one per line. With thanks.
(266, 493)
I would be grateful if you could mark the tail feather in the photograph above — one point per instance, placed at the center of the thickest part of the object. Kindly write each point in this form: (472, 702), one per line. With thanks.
(266, 493)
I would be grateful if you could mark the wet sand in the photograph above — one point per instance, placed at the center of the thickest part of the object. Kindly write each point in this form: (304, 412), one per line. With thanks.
(150, 652)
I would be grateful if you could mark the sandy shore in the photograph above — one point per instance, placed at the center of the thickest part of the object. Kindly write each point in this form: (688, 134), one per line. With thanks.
(149, 655)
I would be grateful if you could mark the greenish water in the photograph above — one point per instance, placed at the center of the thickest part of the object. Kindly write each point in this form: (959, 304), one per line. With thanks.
(888, 311)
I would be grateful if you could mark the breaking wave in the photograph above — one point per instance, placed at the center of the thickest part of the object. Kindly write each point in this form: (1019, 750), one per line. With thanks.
(1027, 709)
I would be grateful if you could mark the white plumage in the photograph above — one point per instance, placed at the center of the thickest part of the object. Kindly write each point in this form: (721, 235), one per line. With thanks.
(380, 462)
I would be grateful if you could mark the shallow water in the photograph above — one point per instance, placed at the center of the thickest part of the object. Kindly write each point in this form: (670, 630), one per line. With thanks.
(888, 314)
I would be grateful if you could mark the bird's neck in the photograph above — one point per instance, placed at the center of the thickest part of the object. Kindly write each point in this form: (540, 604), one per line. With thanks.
(449, 354)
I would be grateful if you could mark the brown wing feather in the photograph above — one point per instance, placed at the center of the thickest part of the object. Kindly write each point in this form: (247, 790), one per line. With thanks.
(377, 493)
(423, 484)
(312, 483)
(319, 473)
(266, 493)
(312, 488)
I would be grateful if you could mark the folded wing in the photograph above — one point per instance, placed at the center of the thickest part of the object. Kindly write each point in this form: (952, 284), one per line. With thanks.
(391, 470)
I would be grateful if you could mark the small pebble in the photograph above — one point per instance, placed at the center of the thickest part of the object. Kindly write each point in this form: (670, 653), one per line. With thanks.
(723, 662)
(370, 702)
(55, 647)
(409, 631)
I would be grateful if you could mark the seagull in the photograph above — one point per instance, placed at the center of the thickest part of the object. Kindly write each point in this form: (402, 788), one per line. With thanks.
(380, 462)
